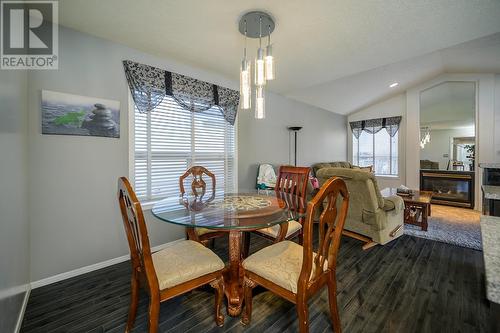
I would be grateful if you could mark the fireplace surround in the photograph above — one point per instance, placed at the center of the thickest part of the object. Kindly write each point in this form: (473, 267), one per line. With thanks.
(452, 188)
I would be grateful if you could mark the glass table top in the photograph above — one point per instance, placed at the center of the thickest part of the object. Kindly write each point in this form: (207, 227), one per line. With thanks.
(243, 210)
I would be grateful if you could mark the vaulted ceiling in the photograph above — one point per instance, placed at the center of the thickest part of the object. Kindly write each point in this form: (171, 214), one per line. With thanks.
(338, 55)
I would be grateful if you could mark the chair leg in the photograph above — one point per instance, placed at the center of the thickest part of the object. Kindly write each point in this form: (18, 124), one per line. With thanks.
(248, 286)
(134, 300)
(154, 313)
(303, 315)
(218, 285)
(246, 244)
(301, 237)
(332, 300)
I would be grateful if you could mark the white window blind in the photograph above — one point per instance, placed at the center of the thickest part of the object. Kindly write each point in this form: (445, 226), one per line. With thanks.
(379, 150)
(171, 139)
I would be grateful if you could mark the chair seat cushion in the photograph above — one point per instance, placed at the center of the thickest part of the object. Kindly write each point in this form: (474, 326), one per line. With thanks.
(279, 263)
(273, 231)
(184, 261)
(203, 231)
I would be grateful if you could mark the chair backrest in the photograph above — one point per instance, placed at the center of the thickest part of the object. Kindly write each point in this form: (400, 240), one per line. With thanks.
(363, 187)
(137, 233)
(333, 201)
(198, 182)
(339, 164)
(293, 180)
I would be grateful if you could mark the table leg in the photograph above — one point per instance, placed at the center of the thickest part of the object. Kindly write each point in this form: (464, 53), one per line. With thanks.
(425, 213)
(192, 235)
(233, 290)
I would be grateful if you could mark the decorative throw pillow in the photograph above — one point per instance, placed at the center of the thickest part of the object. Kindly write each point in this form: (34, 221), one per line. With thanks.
(367, 168)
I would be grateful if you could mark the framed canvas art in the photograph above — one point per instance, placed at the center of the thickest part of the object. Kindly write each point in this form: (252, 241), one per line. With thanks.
(67, 114)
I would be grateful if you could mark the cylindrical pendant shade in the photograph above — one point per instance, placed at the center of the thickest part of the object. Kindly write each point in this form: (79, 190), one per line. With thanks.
(245, 85)
(269, 63)
(260, 105)
(260, 70)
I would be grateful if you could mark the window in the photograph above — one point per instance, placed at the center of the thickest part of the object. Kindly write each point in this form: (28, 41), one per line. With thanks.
(171, 139)
(379, 150)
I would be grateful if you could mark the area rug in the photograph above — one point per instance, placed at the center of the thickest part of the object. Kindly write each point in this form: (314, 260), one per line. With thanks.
(457, 226)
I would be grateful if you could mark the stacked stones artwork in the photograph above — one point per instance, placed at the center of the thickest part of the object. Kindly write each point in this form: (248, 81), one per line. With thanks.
(67, 114)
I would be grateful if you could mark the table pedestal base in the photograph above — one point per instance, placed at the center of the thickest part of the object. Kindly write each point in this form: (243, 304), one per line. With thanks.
(233, 276)
(234, 295)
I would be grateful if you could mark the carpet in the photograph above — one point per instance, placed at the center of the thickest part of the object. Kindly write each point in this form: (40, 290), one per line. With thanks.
(452, 225)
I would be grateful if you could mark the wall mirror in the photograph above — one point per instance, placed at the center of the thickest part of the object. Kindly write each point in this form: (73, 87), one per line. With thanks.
(448, 142)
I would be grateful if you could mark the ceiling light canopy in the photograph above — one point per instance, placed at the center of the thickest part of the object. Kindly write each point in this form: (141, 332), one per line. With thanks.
(256, 24)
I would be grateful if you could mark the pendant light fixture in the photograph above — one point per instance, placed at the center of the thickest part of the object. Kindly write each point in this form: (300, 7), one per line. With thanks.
(245, 79)
(425, 136)
(256, 24)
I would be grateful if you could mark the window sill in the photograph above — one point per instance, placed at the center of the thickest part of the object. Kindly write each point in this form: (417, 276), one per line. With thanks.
(148, 205)
(387, 176)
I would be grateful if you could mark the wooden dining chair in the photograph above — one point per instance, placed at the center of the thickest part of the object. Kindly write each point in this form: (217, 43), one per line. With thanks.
(177, 269)
(199, 188)
(297, 272)
(291, 186)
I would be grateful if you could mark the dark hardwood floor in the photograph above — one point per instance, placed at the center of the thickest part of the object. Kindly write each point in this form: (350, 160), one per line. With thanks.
(410, 285)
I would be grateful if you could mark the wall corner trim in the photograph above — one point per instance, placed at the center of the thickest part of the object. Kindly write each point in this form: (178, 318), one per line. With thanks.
(23, 310)
(93, 267)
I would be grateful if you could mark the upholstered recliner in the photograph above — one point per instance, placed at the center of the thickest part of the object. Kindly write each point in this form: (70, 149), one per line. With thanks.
(340, 164)
(370, 214)
(428, 164)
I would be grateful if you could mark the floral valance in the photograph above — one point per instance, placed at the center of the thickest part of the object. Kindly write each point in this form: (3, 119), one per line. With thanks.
(149, 85)
(391, 124)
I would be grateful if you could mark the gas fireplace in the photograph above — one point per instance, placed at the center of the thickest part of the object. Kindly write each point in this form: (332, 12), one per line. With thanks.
(453, 188)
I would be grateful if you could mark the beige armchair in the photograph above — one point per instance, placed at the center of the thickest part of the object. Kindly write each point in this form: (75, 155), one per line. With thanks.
(378, 219)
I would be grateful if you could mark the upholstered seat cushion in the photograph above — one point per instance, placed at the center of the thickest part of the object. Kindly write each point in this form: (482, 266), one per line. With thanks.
(273, 231)
(279, 263)
(203, 231)
(184, 261)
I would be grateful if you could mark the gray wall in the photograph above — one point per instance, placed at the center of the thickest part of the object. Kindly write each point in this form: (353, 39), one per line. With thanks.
(14, 227)
(74, 215)
(322, 138)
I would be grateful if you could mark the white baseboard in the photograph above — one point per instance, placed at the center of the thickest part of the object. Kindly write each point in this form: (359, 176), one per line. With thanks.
(93, 267)
(23, 309)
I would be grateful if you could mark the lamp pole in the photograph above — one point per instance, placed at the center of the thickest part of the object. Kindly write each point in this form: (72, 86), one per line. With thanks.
(295, 129)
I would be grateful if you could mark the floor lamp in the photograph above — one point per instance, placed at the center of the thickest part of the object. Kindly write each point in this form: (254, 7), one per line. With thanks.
(295, 129)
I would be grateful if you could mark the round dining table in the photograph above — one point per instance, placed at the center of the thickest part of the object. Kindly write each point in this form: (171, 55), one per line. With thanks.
(234, 213)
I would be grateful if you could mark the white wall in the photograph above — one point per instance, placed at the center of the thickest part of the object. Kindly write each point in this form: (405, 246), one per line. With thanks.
(497, 116)
(322, 138)
(440, 144)
(395, 106)
(485, 125)
(75, 219)
(14, 227)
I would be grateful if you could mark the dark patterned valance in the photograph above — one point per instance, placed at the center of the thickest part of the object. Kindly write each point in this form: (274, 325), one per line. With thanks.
(391, 124)
(149, 85)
